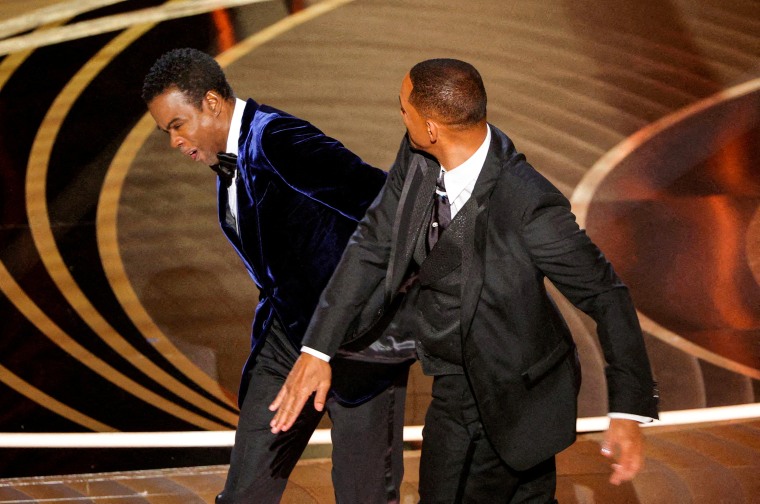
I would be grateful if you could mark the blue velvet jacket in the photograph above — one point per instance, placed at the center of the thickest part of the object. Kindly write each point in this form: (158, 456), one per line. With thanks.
(300, 196)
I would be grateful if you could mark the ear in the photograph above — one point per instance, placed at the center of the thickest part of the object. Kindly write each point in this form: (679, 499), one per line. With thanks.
(213, 102)
(432, 130)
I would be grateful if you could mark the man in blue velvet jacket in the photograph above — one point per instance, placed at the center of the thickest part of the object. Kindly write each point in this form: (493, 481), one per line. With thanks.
(289, 199)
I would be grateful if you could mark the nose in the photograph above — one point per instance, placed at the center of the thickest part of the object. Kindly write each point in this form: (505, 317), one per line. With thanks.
(175, 140)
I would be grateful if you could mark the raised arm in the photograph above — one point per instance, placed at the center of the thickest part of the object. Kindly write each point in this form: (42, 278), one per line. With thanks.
(358, 274)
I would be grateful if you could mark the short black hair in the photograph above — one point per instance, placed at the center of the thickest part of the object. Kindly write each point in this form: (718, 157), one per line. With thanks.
(191, 71)
(449, 90)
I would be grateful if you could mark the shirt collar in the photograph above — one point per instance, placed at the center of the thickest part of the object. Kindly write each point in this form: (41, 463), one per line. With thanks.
(235, 125)
(456, 180)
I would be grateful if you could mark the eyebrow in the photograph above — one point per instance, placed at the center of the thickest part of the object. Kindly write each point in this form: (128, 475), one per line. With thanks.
(168, 126)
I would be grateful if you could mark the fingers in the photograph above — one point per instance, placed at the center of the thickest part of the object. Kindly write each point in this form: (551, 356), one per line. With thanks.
(278, 400)
(308, 374)
(616, 478)
(287, 411)
(629, 464)
(624, 446)
(623, 472)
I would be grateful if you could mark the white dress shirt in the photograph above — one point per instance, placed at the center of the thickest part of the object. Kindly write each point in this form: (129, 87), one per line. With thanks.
(460, 180)
(232, 148)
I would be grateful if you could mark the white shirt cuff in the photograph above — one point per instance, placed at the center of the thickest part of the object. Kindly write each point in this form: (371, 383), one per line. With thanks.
(628, 416)
(315, 353)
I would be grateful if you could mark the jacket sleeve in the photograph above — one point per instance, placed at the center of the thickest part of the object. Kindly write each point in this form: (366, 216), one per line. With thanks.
(566, 255)
(362, 268)
(319, 167)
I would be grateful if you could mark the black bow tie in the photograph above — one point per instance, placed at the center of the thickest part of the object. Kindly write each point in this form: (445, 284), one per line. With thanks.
(226, 167)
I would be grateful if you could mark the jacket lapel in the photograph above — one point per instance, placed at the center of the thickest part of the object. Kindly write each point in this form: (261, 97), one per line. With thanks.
(225, 216)
(475, 234)
(416, 198)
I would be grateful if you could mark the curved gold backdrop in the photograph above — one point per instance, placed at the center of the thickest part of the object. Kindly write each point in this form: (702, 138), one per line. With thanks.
(122, 307)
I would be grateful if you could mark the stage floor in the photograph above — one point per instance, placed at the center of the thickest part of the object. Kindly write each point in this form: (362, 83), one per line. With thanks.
(716, 463)
(94, 337)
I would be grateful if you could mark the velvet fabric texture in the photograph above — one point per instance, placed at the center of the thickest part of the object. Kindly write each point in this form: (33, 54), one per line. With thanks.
(300, 195)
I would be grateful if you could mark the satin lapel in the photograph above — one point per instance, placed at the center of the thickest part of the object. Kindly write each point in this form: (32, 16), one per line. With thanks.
(416, 197)
(246, 123)
(245, 187)
(225, 217)
(475, 235)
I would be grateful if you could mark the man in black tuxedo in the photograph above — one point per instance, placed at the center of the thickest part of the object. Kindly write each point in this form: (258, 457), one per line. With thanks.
(289, 199)
(473, 230)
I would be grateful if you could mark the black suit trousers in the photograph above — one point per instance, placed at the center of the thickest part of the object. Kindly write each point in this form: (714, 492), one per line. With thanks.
(459, 465)
(367, 439)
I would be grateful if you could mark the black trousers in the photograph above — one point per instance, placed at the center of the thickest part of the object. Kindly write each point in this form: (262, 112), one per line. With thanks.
(458, 462)
(367, 439)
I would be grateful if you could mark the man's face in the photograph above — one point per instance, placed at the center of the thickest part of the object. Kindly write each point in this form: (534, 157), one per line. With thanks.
(416, 125)
(196, 132)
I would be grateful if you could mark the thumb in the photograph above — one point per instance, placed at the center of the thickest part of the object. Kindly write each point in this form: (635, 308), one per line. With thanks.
(320, 397)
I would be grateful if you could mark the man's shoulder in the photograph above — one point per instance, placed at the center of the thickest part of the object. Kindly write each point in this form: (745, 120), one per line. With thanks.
(265, 110)
(264, 115)
(518, 178)
(265, 125)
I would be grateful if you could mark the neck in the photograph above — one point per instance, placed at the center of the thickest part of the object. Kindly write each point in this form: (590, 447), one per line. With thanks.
(459, 145)
(225, 121)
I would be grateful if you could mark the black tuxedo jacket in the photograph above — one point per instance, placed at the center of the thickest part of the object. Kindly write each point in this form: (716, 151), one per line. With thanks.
(300, 195)
(517, 350)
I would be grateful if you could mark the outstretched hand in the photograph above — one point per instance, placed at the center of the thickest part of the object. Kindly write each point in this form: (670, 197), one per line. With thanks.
(309, 374)
(624, 445)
